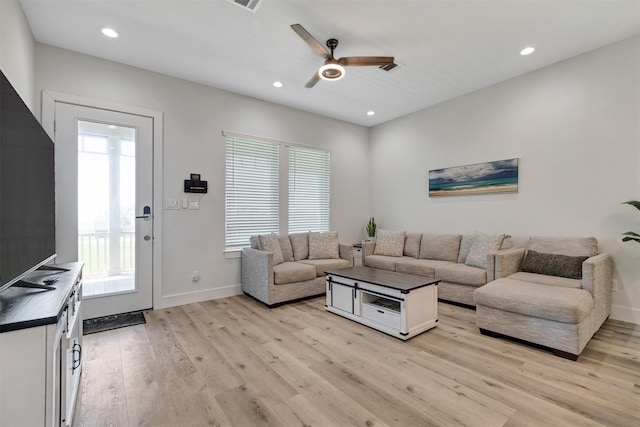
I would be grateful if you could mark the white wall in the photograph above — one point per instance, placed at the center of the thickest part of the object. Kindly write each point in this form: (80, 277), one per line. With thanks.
(574, 125)
(194, 117)
(17, 50)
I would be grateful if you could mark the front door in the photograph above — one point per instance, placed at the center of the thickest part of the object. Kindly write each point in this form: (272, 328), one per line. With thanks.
(104, 211)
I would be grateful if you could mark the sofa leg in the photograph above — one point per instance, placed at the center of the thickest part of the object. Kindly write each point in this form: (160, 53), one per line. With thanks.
(559, 353)
(565, 355)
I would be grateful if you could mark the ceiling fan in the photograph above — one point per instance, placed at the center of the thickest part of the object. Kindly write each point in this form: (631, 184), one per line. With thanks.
(333, 68)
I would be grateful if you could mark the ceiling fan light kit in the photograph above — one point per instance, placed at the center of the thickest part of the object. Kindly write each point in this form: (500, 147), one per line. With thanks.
(333, 69)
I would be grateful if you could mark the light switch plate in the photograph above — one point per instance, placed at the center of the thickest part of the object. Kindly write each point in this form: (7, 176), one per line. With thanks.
(172, 204)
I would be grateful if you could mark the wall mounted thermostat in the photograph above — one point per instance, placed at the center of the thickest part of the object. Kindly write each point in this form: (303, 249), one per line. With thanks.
(195, 185)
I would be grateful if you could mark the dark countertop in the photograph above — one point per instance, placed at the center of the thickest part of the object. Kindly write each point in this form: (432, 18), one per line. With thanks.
(22, 308)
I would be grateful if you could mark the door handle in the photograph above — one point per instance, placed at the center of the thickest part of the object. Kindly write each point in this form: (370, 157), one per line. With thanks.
(146, 213)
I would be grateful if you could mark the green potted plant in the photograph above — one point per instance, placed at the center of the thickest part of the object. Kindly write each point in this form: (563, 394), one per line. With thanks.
(630, 236)
(371, 229)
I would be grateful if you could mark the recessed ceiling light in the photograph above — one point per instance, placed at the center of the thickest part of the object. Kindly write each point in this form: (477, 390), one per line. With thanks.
(109, 32)
(371, 113)
(278, 84)
(527, 51)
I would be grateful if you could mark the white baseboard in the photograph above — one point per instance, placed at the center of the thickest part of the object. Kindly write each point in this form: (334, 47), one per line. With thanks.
(625, 314)
(198, 296)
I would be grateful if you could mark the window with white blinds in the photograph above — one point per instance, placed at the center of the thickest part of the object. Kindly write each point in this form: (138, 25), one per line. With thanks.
(251, 190)
(309, 189)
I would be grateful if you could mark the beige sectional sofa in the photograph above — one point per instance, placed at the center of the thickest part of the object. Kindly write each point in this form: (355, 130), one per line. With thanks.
(556, 293)
(461, 263)
(278, 269)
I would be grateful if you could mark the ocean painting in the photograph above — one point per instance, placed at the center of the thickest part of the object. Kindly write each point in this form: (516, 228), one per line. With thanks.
(482, 178)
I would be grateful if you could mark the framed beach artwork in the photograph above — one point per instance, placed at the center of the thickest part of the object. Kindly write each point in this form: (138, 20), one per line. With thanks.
(500, 176)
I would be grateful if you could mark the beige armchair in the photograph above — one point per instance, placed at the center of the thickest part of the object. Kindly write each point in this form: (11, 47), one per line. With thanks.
(556, 293)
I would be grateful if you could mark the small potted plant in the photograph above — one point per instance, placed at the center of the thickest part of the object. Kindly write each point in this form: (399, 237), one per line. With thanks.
(630, 236)
(371, 229)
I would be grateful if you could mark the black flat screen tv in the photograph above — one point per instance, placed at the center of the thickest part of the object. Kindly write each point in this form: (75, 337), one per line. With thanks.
(27, 190)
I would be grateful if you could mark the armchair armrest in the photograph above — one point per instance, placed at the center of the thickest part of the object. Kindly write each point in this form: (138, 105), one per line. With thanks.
(368, 248)
(597, 273)
(346, 252)
(257, 274)
(507, 262)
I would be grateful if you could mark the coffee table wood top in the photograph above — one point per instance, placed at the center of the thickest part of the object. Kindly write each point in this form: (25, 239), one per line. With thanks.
(389, 279)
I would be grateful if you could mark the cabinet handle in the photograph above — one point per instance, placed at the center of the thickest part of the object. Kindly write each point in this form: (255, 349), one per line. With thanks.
(77, 350)
(380, 311)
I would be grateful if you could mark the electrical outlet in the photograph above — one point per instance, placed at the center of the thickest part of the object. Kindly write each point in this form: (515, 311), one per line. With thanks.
(614, 285)
(194, 204)
(196, 276)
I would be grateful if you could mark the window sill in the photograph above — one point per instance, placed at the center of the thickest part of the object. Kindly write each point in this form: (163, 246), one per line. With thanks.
(236, 253)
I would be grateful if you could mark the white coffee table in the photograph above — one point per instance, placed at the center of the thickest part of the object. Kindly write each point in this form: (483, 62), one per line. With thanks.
(399, 304)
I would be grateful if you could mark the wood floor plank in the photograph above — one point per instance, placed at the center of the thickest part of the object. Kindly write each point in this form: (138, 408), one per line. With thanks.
(199, 346)
(269, 386)
(103, 399)
(235, 362)
(442, 402)
(244, 408)
(301, 412)
(530, 410)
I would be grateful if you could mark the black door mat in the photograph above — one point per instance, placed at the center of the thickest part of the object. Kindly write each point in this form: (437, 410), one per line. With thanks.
(107, 323)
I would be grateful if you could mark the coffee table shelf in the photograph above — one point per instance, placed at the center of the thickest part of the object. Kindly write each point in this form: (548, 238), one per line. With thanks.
(401, 305)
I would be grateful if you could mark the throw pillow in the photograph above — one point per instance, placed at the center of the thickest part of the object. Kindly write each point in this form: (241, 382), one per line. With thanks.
(482, 245)
(553, 264)
(300, 245)
(324, 245)
(390, 243)
(412, 244)
(269, 243)
(465, 247)
(442, 247)
(285, 247)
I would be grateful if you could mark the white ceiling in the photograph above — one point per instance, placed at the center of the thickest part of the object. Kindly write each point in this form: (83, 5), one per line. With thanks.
(445, 48)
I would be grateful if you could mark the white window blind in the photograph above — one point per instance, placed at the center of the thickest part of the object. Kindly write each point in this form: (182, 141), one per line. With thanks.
(251, 189)
(309, 189)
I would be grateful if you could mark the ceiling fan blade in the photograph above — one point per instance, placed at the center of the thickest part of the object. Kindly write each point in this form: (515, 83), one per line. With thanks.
(307, 37)
(315, 79)
(357, 61)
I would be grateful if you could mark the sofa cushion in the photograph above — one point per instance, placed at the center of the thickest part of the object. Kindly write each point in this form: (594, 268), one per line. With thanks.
(300, 245)
(443, 247)
(253, 242)
(290, 272)
(419, 267)
(324, 245)
(532, 299)
(572, 246)
(553, 264)
(483, 243)
(389, 242)
(382, 262)
(465, 247)
(462, 274)
(323, 265)
(543, 279)
(412, 245)
(269, 243)
(286, 248)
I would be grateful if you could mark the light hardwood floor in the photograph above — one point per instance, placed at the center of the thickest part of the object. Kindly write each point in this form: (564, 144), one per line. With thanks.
(234, 362)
